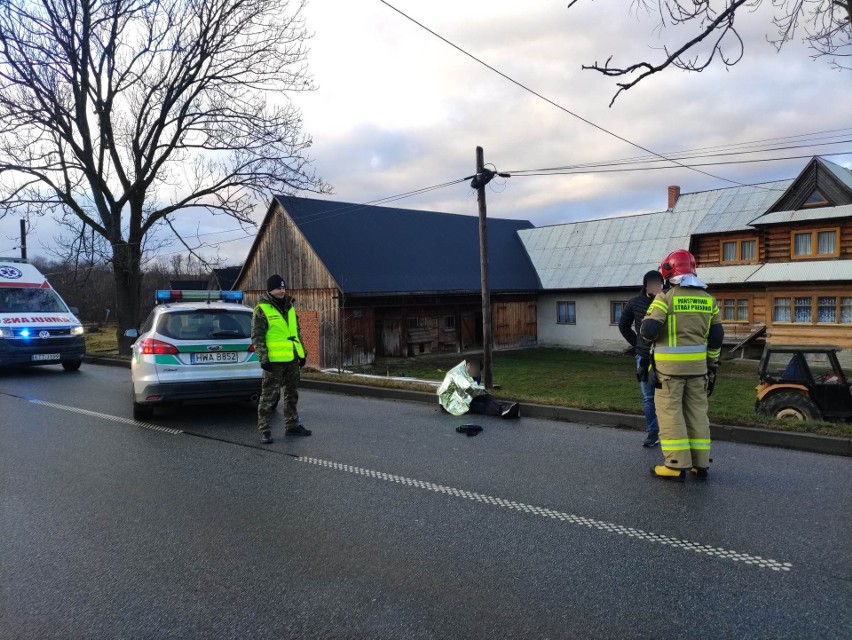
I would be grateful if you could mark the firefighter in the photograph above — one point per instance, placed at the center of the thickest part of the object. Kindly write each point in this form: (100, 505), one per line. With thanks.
(683, 324)
(278, 345)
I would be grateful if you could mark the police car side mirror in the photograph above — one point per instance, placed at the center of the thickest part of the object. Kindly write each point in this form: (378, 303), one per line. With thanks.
(131, 333)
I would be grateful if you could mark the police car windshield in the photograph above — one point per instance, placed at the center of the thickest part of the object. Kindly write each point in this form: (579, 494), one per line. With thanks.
(205, 324)
(30, 301)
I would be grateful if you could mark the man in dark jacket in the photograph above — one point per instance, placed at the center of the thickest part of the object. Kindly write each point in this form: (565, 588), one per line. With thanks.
(631, 319)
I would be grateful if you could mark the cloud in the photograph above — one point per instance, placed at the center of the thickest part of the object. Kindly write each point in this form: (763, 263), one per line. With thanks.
(398, 110)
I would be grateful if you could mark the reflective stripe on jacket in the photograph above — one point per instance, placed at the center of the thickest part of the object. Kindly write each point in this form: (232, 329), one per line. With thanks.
(282, 336)
(686, 314)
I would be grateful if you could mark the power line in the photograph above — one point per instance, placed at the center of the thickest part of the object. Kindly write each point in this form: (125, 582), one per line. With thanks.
(648, 160)
(315, 217)
(569, 171)
(555, 104)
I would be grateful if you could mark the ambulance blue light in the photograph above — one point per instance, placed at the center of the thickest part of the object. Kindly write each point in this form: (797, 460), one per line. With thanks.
(25, 333)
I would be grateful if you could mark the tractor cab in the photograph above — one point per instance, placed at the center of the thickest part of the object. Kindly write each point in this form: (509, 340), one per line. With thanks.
(803, 383)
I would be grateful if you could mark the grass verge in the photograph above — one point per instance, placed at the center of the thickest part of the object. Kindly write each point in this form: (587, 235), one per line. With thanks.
(562, 377)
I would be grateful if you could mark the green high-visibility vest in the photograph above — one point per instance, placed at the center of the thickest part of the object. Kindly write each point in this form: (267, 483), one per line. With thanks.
(282, 336)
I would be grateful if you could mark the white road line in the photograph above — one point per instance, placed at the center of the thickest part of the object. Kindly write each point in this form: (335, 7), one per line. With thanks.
(600, 525)
(105, 416)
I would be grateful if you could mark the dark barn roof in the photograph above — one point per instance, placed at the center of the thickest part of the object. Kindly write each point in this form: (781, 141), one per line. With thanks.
(226, 277)
(382, 250)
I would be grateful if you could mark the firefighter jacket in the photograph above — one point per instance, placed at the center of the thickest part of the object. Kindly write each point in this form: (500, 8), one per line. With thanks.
(275, 331)
(458, 389)
(684, 325)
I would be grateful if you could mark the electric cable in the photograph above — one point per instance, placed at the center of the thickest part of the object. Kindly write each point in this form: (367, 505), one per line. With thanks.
(555, 104)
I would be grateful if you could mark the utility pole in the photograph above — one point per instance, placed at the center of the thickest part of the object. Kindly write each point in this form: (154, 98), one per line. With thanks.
(23, 239)
(487, 379)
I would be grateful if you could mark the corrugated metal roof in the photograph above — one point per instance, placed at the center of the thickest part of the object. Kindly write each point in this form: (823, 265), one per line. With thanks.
(727, 275)
(805, 271)
(612, 252)
(734, 208)
(841, 173)
(817, 213)
(372, 250)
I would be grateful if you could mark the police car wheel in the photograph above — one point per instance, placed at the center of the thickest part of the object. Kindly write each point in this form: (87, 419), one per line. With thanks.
(71, 365)
(142, 411)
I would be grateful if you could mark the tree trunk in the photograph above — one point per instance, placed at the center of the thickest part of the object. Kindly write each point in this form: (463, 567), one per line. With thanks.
(127, 272)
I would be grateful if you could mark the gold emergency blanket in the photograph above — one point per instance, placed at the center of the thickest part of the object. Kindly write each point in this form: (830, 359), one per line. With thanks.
(458, 389)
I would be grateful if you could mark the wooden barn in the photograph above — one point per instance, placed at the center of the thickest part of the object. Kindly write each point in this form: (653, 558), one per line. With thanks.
(378, 281)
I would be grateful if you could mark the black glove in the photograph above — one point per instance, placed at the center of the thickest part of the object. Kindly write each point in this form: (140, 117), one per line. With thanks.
(267, 366)
(631, 351)
(711, 380)
(642, 371)
(302, 362)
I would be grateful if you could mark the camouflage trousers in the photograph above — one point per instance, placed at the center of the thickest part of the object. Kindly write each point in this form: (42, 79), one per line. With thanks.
(286, 377)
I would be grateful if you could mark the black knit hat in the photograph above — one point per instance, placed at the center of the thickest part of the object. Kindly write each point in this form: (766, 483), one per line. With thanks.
(652, 275)
(275, 282)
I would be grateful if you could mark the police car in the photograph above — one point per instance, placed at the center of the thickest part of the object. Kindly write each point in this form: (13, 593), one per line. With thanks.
(195, 345)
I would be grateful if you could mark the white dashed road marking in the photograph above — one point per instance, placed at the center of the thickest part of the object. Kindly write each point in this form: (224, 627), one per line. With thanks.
(591, 523)
(105, 416)
(727, 554)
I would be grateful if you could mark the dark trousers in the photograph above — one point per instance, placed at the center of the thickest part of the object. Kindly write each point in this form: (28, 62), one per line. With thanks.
(486, 405)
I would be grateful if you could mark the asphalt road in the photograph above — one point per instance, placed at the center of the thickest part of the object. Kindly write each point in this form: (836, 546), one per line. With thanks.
(386, 523)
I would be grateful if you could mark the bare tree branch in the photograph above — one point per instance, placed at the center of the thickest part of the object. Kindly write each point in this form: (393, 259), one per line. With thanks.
(827, 25)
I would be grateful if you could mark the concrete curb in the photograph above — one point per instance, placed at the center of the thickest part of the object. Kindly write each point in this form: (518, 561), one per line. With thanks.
(723, 432)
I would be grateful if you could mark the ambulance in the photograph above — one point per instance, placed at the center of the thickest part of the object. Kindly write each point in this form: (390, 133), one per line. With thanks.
(36, 326)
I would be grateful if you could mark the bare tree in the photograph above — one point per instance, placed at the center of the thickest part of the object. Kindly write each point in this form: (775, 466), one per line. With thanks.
(116, 116)
(826, 25)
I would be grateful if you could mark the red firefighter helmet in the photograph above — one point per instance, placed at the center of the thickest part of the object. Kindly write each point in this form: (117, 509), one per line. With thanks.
(677, 263)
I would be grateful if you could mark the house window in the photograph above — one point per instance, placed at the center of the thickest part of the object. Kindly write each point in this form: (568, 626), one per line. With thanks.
(357, 313)
(819, 243)
(802, 310)
(615, 311)
(816, 199)
(846, 310)
(566, 313)
(814, 309)
(413, 323)
(743, 250)
(781, 310)
(734, 309)
(449, 323)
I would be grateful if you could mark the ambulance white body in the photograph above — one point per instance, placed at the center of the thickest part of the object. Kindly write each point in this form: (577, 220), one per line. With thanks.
(36, 326)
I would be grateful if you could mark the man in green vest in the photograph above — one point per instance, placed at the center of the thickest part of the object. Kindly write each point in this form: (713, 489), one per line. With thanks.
(278, 345)
(684, 326)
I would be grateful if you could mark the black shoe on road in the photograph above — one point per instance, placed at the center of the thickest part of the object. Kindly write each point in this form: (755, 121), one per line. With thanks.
(298, 430)
(266, 437)
(511, 411)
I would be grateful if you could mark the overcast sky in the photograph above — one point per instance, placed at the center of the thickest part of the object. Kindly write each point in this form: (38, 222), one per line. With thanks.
(397, 109)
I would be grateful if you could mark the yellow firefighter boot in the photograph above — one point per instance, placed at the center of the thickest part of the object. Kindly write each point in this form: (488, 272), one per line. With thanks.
(667, 473)
(699, 473)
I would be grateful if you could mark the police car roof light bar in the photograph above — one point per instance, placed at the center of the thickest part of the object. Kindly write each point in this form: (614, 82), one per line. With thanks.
(177, 295)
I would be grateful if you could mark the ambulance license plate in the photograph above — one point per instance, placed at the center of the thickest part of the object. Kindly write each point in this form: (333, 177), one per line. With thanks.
(213, 358)
(45, 356)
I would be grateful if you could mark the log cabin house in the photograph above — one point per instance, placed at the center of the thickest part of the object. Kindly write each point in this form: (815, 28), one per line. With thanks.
(777, 256)
(379, 281)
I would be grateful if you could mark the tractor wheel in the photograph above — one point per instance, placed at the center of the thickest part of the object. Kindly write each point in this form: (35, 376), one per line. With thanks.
(790, 406)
